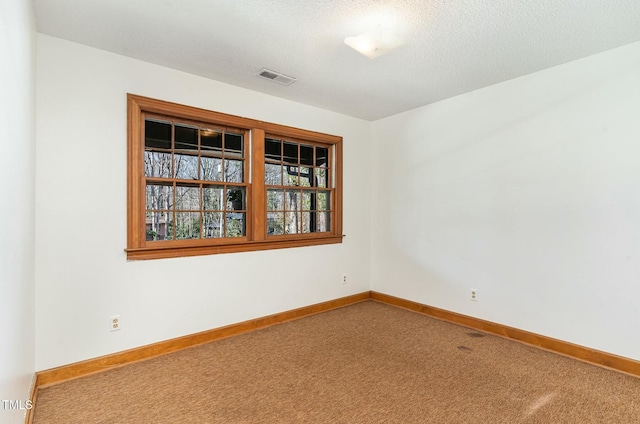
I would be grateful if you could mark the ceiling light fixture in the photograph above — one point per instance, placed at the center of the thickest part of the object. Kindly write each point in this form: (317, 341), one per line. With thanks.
(375, 43)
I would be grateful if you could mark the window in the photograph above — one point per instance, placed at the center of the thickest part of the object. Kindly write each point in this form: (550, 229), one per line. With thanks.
(203, 182)
(297, 183)
(194, 180)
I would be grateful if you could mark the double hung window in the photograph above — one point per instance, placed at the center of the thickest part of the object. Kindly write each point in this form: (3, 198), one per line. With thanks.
(297, 183)
(202, 182)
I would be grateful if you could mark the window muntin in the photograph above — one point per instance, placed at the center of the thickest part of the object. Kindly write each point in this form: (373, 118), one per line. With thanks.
(202, 182)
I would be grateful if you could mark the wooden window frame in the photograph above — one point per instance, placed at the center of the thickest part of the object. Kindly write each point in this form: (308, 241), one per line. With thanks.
(256, 215)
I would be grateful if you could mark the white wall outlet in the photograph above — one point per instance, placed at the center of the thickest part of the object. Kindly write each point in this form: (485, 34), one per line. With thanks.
(114, 323)
(473, 295)
(344, 278)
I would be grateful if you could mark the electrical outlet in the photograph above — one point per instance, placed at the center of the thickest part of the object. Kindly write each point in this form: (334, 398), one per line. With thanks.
(344, 278)
(114, 323)
(473, 295)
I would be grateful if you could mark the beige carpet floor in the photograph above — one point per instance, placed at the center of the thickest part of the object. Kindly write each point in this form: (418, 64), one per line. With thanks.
(365, 363)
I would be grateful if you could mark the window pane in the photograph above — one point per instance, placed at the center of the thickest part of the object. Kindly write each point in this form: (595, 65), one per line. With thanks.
(236, 199)
(292, 223)
(187, 225)
(275, 200)
(186, 137)
(293, 201)
(211, 169)
(272, 174)
(322, 156)
(321, 177)
(305, 177)
(171, 234)
(186, 167)
(308, 200)
(324, 201)
(159, 197)
(291, 176)
(187, 198)
(275, 223)
(235, 224)
(306, 155)
(210, 140)
(159, 225)
(323, 221)
(290, 153)
(233, 144)
(157, 164)
(306, 222)
(272, 149)
(233, 171)
(157, 134)
(212, 198)
(213, 225)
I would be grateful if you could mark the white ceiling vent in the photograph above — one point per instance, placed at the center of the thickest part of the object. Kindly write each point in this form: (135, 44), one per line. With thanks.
(276, 76)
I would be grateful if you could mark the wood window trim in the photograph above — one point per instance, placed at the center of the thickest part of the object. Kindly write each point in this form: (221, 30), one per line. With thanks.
(256, 238)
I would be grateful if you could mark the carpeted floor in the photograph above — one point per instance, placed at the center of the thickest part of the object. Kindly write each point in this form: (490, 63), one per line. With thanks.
(365, 363)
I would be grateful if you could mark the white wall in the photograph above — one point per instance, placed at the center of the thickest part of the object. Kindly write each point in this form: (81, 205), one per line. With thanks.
(528, 191)
(17, 114)
(82, 275)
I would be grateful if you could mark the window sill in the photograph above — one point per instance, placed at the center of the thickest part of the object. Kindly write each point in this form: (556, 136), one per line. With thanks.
(143, 253)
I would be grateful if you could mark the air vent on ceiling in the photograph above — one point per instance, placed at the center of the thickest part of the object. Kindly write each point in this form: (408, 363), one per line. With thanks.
(276, 76)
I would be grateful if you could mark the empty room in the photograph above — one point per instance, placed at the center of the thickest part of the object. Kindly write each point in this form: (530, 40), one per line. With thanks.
(320, 211)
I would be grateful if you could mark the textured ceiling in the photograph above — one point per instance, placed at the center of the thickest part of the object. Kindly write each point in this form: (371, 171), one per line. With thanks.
(452, 47)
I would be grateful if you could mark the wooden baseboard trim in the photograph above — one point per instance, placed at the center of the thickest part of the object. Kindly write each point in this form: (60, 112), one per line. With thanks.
(33, 393)
(103, 363)
(91, 366)
(585, 354)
